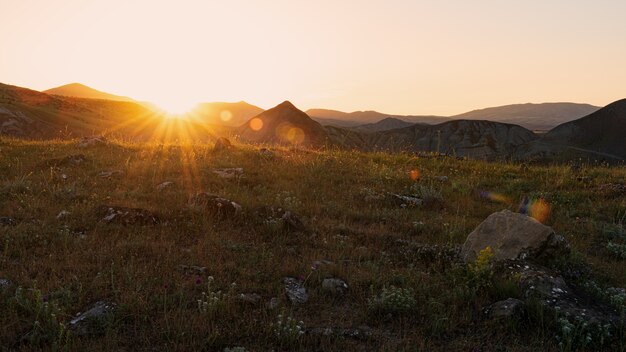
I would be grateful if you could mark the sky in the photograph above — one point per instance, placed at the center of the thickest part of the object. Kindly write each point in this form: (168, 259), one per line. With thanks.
(440, 57)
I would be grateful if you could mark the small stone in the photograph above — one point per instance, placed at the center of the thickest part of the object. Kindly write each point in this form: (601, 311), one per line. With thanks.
(192, 269)
(406, 201)
(509, 308)
(63, 214)
(273, 303)
(442, 178)
(295, 291)
(87, 322)
(163, 185)
(5, 284)
(7, 221)
(235, 172)
(335, 286)
(215, 205)
(127, 216)
(252, 298)
(109, 174)
(92, 141)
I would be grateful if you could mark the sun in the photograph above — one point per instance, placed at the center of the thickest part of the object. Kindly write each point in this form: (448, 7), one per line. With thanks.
(177, 108)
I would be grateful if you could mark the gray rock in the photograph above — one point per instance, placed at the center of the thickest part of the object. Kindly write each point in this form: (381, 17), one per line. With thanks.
(163, 185)
(513, 236)
(92, 141)
(234, 172)
(87, 323)
(508, 308)
(253, 298)
(442, 178)
(273, 303)
(192, 269)
(7, 221)
(127, 216)
(111, 173)
(290, 221)
(215, 205)
(334, 286)
(540, 285)
(295, 291)
(70, 160)
(5, 284)
(406, 201)
(63, 214)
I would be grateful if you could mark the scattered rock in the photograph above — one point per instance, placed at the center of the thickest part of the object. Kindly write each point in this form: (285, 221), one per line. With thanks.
(5, 284)
(70, 160)
(109, 174)
(63, 214)
(513, 236)
(406, 201)
(127, 216)
(252, 298)
(442, 178)
(273, 303)
(542, 286)
(335, 286)
(192, 269)
(235, 172)
(215, 205)
(7, 221)
(163, 185)
(272, 215)
(92, 141)
(88, 322)
(295, 291)
(510, 308)
(222, 144)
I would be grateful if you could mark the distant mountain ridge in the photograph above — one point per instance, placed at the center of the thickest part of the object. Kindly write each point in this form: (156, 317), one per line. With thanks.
(78, 90)
(541, 117)
(230, 114)
(345, 119)
(538, 117)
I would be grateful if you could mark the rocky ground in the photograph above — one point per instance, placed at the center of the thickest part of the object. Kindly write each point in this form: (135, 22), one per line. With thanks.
(114, 246)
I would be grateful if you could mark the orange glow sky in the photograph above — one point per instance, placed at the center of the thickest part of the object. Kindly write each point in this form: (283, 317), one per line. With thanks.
(405, 57)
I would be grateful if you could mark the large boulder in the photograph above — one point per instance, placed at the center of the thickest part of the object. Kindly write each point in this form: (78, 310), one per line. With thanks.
(513, 236)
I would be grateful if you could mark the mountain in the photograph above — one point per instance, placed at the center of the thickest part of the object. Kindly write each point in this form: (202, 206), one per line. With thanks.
(230, 114)
(345, 119)
(31, 114)
(284, 124)
(385, 124)
(537, 117)
(600, 135)
(467, 138)
(78, 90)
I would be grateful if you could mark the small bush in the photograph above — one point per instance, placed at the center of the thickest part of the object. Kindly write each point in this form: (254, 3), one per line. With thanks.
(393, 300)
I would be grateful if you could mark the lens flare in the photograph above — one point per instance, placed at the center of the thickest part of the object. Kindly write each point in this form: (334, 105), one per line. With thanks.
(415, 174)
(295, 135)
(540, 210)
(495, 197)
(256, 124)
(226, 115)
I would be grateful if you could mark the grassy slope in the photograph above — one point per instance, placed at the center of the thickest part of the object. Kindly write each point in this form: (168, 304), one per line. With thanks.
(136, 266)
